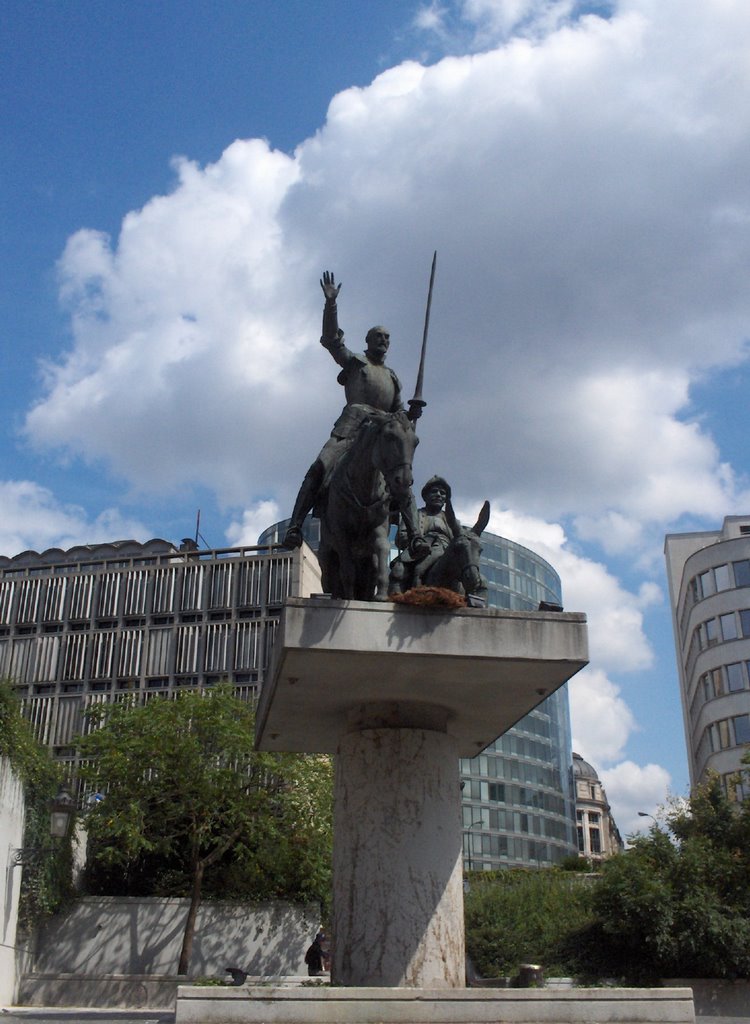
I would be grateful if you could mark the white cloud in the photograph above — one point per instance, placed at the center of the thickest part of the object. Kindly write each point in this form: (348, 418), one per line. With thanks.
(253, 522)
(576, 185)
(632, 788)
(33, 519)
(617, 640)
(601, 720)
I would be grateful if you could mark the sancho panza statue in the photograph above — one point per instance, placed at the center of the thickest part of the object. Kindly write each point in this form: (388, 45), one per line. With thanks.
(370, 387)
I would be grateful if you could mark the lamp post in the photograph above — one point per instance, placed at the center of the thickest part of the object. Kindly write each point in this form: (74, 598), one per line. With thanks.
(645, 814)
(62, 809)
(467, 830)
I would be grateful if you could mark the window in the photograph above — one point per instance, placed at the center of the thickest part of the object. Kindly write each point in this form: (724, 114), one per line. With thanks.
(497, 792)
(706, 583)
(595, 840)
(728, 626)
(721, 576)
(712, 632)
(735, 677)
(745, 621)
(742, 729)
(742, 573)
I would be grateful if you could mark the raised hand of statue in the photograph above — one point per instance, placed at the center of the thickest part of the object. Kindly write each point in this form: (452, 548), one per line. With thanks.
(329, 286)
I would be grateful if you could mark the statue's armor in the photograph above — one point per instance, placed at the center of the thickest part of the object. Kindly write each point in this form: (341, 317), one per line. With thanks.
(370, 384)
(367, 386)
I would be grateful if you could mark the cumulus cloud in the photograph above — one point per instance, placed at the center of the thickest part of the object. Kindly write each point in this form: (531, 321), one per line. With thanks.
(601, 719)
(631, 788)
(587, 187)
(252, 523)
(617, 639)
(33, 519)
(585, 179)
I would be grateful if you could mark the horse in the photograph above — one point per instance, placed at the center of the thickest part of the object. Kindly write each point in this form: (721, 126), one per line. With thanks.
(457, 568)
(373, 474)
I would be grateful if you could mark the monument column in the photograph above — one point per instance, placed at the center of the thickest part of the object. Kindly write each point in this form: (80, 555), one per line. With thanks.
(399, 695)
(397, 869)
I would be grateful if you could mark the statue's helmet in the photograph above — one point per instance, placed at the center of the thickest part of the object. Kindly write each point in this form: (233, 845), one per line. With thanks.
(436, 481)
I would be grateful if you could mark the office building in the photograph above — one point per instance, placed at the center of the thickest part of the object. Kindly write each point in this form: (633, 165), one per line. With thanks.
(709, 589)
(98, 622)
(598, 835)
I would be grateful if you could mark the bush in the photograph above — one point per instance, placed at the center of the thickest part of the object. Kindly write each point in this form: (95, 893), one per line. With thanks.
(525, 916)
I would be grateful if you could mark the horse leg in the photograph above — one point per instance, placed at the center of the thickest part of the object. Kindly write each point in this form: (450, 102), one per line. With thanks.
(381, 563)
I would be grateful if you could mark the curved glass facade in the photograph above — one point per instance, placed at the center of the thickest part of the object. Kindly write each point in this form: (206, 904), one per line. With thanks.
(518, 799)
(518, 803)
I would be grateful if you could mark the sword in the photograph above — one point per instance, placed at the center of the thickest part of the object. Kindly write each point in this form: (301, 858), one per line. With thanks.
(417, 403)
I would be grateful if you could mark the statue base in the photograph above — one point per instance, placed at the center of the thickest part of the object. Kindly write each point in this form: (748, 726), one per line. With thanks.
(399, 694)
(322, 1005)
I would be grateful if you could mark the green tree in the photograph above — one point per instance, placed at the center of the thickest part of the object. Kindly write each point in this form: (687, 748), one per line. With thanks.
(46, 881)
(678, 902)
(185, 795)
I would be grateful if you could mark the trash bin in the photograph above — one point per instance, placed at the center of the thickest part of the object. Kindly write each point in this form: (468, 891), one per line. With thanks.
(530, 976)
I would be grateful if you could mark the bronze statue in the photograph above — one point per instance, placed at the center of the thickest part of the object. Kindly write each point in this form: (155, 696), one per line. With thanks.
(374, 417)
(452, 558)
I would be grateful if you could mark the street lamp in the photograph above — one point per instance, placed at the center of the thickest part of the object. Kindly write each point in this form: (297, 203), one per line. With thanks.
(656, 826)
(62, 809)
(467, 830)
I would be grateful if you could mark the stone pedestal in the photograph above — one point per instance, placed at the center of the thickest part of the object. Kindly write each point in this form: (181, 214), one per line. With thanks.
(399, 694)
(398, 895)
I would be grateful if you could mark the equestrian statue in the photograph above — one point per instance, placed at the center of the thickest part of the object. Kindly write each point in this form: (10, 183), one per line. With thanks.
(363, 474)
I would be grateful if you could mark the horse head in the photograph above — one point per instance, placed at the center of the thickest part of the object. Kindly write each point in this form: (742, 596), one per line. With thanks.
(470, 541)
(393, 451)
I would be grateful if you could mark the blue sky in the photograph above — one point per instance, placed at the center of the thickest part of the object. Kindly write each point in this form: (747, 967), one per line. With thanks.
(175, 177)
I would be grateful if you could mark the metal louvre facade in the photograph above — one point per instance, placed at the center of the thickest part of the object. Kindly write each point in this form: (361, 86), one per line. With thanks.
(99, 623)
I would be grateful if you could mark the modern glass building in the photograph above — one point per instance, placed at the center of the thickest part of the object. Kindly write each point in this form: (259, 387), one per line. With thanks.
(709, 587)
(518, 796)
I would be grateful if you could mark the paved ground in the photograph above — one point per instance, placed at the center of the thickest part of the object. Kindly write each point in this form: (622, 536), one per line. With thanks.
(42, 1015)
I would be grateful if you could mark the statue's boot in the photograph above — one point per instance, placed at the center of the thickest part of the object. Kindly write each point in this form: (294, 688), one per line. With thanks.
(308, 492)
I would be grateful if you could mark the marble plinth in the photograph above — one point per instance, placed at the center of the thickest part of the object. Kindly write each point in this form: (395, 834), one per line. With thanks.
(484, 668)
(399, 694)
(422, 1006)
(398, 880)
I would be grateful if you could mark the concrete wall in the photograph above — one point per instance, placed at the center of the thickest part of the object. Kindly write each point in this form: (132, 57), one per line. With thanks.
(715, 997)
(112, 935)
(11, 830)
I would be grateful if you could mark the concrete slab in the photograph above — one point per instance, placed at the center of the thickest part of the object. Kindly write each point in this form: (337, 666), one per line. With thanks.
(424, 1006)
(479, 670)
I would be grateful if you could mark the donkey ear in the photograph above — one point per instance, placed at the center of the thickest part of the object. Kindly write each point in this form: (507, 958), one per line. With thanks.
(484, 517)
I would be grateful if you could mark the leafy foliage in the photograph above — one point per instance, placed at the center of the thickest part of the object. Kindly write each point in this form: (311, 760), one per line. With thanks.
(677, 904)
(524, 916)
(46, 880)
(190, 808)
